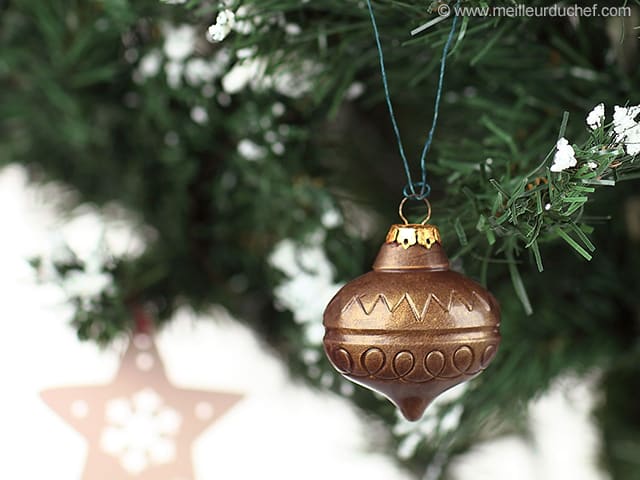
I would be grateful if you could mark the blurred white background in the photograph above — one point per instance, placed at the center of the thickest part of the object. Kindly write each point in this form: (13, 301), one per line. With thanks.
(279, 430)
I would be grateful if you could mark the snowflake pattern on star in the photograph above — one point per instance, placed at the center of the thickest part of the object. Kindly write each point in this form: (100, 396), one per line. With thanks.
(141, 431)
(139, 425)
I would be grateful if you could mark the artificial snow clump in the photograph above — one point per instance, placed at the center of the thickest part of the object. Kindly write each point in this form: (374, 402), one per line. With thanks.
(295, 82)
(225, 22)
(198, 71)
(331, 218)
(199, 115)
(627, 128)
(150, 64)
(242, 74)
(243, 24)
(355, 90)
(565, 156)
(596, 116)
(308, 286)
(251, 150)
(173, 71)
(292, 29)
(179, 61)
(624, 118)
(179, 42)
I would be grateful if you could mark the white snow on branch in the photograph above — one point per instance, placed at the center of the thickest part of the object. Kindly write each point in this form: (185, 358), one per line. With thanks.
(309, 285)
(565, 156)
(225, 22)
(626, 124)
(596, 116)
(179, 41)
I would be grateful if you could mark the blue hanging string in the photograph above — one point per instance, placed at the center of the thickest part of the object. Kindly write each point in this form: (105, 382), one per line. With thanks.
(410, 189)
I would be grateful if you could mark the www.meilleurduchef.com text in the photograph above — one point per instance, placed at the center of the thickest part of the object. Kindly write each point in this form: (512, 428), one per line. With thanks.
(593, 10)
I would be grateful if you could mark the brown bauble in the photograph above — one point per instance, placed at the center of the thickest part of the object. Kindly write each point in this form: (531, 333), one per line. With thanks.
(411, 328)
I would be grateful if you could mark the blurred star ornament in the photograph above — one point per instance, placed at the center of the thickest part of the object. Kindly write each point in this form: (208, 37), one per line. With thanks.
(139, 426)
(411, 328)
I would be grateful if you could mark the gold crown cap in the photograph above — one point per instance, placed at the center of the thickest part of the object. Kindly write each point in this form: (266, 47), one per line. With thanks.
(408, 235)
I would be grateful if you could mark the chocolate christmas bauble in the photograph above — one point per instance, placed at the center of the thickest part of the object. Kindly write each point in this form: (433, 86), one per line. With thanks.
(411, 328)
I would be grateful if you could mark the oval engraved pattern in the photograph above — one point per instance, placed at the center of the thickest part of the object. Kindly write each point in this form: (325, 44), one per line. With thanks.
(434, 362)
(488, 355)
(373, 360)
(463, 358)
(403, 363)
(342, 360)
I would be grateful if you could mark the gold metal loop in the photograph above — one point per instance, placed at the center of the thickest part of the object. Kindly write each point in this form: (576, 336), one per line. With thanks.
(404, 219)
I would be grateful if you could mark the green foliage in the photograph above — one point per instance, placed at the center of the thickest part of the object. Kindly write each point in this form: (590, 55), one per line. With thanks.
(75, 107)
